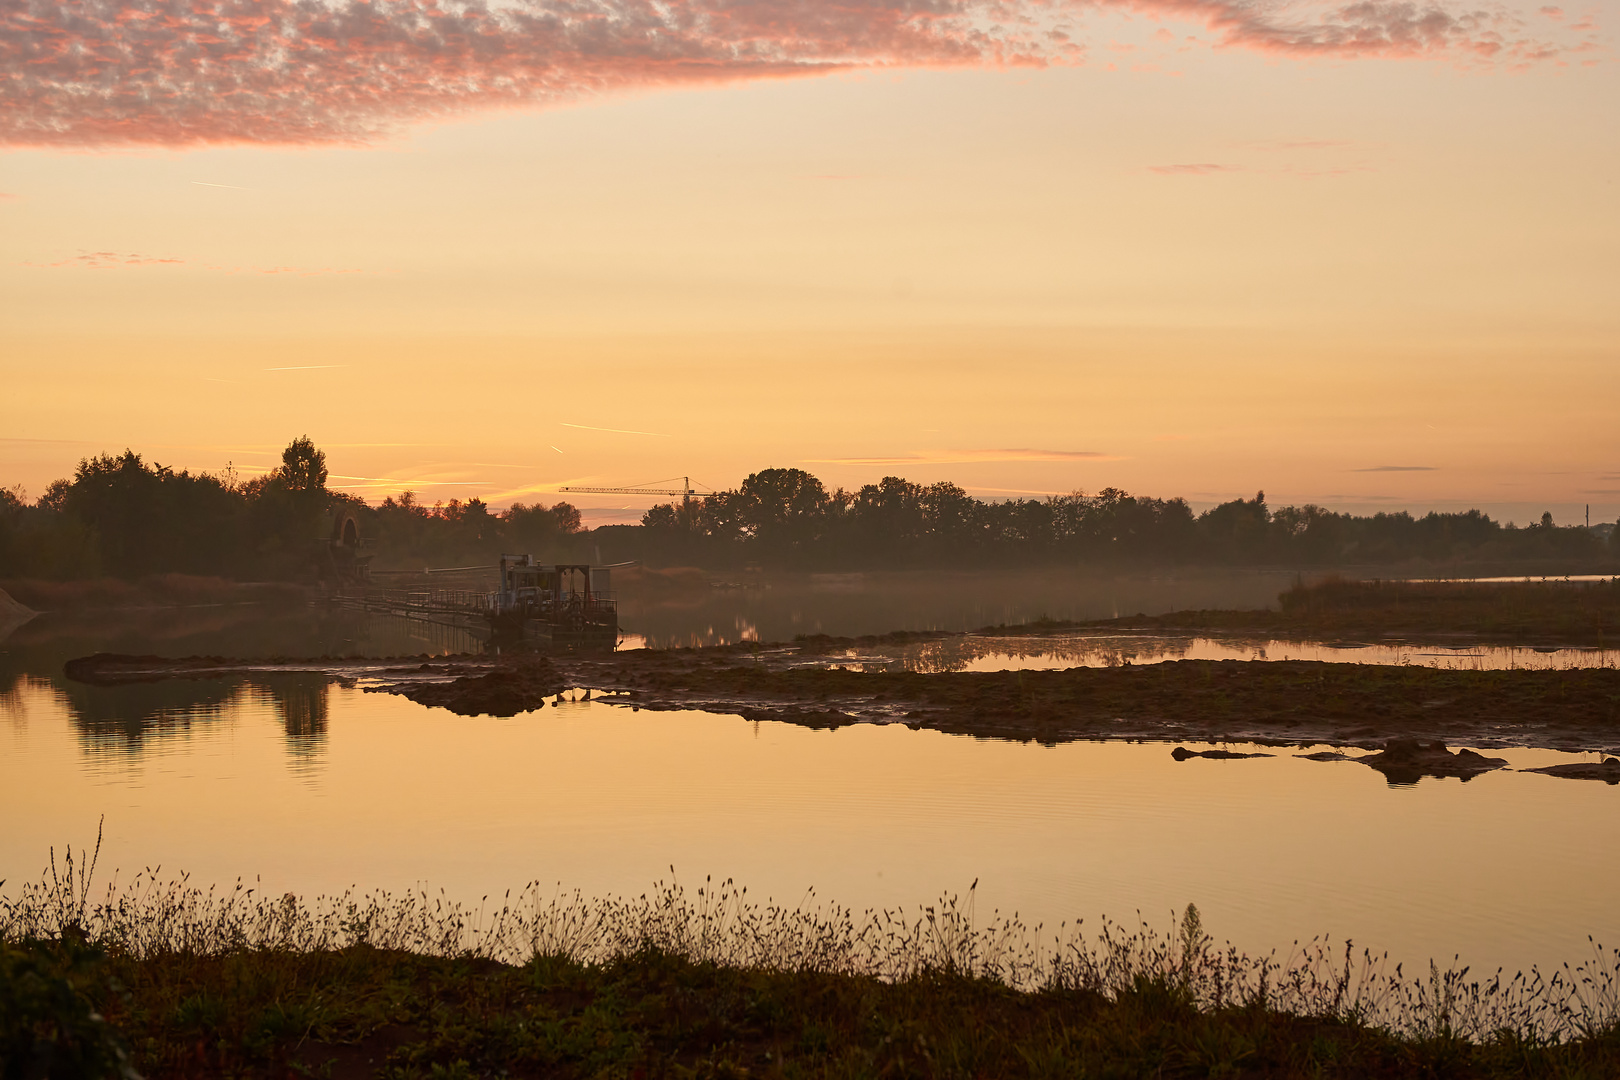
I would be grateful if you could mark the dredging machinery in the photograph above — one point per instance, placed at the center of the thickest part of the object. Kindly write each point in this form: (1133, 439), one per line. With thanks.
(531, 601)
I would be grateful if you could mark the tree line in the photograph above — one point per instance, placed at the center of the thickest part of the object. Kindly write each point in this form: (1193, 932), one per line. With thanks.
(787, 516)
(120, 516)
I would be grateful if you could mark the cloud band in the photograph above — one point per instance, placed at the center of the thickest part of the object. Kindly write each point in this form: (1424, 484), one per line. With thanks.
(193, 72)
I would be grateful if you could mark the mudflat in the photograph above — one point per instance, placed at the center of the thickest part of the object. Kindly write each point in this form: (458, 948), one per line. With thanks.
(1285, 703)
(1410, 715)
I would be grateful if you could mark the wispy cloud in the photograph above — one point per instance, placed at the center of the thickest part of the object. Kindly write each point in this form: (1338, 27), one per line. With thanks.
(108, 260)
(402, 483)
(1014, 491)
(968, 457)
(115, 260)
(52, 442)
(298, 271)
(616, 431)
(193, 72)
(1194, 169)
(545, 487)
(1397, 468)
(1297, 172)
(1302, 144)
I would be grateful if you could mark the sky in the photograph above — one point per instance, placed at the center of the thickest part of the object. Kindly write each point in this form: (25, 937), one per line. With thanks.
(1362, 255)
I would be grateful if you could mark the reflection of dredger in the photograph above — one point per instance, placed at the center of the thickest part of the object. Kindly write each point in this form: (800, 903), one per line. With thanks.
(548, 600)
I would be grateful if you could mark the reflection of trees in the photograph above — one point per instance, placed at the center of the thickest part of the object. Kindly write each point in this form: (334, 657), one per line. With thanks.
(301, 701)
(132, 719)
(11, 697)
(125, 718)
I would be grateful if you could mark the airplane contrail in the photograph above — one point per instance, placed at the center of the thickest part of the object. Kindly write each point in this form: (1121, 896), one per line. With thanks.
(616, 431)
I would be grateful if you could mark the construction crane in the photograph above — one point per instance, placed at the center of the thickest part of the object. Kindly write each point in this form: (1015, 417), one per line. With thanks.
(685, 490)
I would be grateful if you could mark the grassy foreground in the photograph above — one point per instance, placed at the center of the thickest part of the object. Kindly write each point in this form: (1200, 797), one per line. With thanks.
(163, 979)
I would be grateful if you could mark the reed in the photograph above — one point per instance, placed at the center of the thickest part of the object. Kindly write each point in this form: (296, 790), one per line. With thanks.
(180, 959)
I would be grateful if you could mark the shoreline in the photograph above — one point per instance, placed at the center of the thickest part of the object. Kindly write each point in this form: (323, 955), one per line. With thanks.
(1299, 703)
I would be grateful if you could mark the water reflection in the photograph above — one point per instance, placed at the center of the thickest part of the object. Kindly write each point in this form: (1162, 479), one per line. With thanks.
(606, 799)
(135, 719)
(301, 703)
(127, 721)
(977, 652)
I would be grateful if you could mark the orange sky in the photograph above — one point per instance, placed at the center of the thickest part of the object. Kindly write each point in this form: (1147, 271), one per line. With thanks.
(1181, 248)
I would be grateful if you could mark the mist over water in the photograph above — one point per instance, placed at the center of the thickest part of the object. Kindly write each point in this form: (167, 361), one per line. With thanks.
(777, 607)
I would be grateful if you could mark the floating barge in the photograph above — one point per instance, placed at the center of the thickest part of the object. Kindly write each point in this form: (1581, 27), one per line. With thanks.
(570, 603)
(550, 601)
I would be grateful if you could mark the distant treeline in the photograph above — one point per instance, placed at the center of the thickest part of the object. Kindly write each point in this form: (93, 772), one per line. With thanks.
(121, 517)
(787, 516)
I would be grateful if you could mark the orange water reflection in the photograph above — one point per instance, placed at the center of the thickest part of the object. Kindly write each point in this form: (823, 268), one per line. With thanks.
(373, 790)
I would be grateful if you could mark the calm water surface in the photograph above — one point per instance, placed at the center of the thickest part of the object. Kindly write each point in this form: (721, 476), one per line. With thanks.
(315, 788)
(312, 788)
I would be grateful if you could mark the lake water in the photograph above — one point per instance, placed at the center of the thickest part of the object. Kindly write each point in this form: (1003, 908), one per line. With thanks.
(313, 788)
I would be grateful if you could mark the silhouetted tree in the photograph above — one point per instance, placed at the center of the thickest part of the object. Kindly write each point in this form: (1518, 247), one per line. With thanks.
(1238, 528)
(303, 468)
(781, 509)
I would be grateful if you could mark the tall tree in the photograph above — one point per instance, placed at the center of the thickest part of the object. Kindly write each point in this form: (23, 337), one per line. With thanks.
(303, 468)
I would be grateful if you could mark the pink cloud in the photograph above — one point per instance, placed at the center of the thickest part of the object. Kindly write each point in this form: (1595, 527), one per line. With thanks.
(1366, 28)
(108, 260)
(1203, 168)
(194, 72)
(113, 260)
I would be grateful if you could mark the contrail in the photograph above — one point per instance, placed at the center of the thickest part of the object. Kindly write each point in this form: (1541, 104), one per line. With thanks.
(617, 431)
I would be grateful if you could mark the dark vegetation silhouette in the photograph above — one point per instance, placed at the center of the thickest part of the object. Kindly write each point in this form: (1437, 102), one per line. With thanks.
(786, 517)
(121, 517)
(162, 978)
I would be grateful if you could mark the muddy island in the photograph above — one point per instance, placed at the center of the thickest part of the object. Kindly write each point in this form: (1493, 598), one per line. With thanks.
(1410, 715)
(1282, 703)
